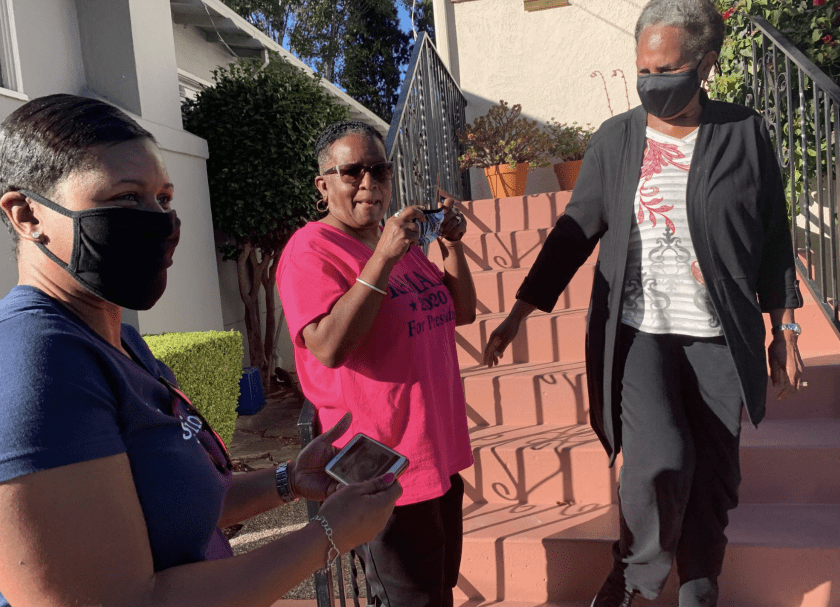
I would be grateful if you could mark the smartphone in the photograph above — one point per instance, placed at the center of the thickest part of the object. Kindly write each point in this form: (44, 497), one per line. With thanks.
(363, 459)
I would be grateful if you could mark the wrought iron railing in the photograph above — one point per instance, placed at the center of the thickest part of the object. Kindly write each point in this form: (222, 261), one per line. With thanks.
(801, 105)
(327, 586)
(422, 140)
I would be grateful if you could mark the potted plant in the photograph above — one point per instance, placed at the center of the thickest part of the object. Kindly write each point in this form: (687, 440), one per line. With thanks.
(506, 145)
(568, 143)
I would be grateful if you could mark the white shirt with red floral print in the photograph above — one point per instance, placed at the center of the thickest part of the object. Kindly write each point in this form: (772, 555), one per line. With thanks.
(664, 291)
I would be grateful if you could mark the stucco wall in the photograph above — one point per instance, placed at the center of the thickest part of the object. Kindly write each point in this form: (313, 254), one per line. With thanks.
(544, 60)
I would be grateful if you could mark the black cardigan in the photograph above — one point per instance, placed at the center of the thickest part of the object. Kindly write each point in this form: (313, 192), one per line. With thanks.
(738, 223)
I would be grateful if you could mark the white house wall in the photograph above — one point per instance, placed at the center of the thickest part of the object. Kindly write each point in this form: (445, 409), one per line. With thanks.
(52, 61)
(543, 60)
(194, 54)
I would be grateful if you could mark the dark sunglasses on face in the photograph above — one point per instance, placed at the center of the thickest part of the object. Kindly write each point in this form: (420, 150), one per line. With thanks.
(194, 424)
(354, 173)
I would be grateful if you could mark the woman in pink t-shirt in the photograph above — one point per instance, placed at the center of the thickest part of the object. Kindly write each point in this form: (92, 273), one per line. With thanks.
(373, 324)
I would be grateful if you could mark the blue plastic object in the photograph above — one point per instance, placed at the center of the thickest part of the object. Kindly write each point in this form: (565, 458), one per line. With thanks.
(251, 397)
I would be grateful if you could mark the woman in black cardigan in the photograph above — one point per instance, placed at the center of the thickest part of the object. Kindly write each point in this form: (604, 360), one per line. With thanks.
(685, 196)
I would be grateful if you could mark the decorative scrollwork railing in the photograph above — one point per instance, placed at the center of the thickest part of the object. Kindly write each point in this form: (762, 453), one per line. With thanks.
(422, 141)
(801, 105)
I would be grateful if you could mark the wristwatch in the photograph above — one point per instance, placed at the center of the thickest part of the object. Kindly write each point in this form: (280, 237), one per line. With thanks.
(284, 489)
(797, 330)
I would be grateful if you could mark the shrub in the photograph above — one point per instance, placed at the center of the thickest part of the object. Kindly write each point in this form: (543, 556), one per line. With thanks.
(208, 366)
(567, 141)
(503, 136)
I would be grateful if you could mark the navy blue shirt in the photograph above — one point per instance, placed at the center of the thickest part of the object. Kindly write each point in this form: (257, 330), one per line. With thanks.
(68, 396)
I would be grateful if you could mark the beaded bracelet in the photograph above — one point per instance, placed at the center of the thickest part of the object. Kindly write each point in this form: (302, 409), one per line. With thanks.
(333, 548)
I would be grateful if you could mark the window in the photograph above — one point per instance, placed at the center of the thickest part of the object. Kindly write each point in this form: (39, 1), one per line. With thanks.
(188, 85)
(9, 60)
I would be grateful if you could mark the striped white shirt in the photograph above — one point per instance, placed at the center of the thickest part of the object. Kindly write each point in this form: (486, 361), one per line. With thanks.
(664, 290)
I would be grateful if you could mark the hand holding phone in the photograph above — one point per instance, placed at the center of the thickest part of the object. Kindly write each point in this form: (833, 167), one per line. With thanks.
(363, 459)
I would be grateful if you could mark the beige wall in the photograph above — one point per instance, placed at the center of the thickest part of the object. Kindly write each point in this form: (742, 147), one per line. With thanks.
(544, 61)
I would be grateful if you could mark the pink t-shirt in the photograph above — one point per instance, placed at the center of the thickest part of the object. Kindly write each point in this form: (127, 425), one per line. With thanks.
(401, 382)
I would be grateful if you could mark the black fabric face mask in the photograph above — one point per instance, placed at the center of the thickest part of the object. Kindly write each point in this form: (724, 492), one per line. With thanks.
(119, 254)
(667, 94)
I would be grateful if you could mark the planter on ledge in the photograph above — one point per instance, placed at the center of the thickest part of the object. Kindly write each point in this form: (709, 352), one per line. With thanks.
(505, 181)
(567, 173)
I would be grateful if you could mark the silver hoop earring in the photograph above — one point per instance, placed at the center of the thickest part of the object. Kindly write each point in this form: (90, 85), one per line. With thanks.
(322, 206)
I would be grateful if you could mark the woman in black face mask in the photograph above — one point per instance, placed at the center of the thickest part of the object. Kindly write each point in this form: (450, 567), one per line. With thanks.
(113, 488)
(685, 196)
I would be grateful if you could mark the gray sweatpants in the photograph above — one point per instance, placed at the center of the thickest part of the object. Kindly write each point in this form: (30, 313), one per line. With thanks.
(680, 426)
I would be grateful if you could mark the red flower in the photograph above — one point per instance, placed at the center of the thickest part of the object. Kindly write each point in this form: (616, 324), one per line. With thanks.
(827, 38)
(819, 2)
(728, 13)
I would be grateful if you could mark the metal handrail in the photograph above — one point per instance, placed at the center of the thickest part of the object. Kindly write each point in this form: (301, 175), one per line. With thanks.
(308, 428)
(792, 94)
(422, 141)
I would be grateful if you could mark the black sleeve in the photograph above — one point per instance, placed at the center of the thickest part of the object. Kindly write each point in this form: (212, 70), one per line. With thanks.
(777, 286)
(573, 238)
(564, 251)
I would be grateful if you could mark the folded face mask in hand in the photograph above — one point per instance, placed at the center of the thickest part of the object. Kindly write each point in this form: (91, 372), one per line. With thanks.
(430, 229)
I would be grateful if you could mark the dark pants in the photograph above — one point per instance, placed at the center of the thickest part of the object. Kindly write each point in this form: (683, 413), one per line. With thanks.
(414, 561)
(681, 422)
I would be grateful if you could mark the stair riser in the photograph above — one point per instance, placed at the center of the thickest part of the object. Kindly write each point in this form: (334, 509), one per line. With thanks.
(541, 338)
(821, 399)
(563, 571)
(556, 469)
(543, 474)
(529, 398)
(521, 213)
(498, 251)
(496, 292)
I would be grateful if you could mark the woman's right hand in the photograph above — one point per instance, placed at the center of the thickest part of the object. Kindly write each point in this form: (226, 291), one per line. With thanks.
(399, 233)
(358, 512)
(500, 339)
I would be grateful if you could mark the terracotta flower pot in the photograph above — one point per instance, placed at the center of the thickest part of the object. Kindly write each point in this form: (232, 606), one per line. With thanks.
(505, 181)
(567, 173)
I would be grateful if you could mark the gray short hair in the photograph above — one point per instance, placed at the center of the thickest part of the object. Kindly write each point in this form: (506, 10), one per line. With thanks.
(336, 131)
(700, 19)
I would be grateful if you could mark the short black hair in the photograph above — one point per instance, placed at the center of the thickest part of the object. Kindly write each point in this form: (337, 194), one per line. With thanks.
(45, 140)
(336, 131)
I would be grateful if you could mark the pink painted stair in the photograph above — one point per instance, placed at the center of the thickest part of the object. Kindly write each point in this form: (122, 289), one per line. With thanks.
(540, 512)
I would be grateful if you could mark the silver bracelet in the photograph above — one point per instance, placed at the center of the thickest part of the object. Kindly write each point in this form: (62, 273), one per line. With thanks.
(333, 548)
(375, 288)
(284, 487)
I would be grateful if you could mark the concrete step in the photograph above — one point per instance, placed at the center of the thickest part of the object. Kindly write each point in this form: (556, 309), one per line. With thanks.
(527, 394)
(554, 337)
(516, 213)
(498, 251)
(778, 555)
(539, 464)
(790, 461)
(496, 289)
(821, 399)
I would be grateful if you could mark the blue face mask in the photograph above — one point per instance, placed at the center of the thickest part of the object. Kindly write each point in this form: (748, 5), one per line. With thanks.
(430, 229)
(119, 254)
(667, 94)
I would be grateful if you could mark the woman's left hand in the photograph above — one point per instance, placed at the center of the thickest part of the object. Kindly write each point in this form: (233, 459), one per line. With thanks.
(306, 474)
(785, 364)
(454, 224)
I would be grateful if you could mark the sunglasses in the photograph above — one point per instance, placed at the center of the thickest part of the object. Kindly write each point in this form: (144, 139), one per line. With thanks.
(354, 173)
(194, 423)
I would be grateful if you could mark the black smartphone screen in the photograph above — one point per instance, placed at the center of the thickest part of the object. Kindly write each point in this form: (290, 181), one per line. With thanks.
(365, 460)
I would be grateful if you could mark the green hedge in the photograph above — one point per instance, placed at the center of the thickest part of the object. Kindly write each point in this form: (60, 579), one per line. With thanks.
(208, 366)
